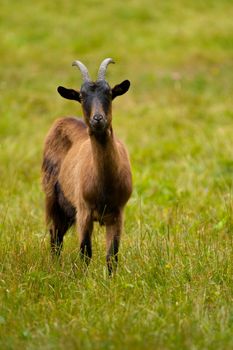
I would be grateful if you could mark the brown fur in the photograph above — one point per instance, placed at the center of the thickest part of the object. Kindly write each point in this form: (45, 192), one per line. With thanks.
(94, 180)
(86, 177)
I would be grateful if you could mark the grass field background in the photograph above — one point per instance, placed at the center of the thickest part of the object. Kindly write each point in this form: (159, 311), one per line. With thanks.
(174, 287)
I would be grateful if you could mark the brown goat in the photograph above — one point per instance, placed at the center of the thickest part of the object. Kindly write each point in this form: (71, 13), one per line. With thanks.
(86, 170)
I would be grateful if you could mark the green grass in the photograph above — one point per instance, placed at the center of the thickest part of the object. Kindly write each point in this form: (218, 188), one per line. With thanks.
(174, 287)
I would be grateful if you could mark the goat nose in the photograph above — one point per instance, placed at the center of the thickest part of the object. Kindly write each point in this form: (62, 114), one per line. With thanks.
(98, 117)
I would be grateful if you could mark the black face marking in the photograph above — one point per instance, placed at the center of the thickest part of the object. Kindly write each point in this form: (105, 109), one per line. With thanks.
(98, 93)
(86, 95)
(104, 93)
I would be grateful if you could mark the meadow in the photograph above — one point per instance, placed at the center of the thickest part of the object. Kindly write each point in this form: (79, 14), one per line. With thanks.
(174, 285)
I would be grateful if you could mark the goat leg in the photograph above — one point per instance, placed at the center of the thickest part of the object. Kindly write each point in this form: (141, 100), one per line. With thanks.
(85, 227)
(113, 232)
(56, 240)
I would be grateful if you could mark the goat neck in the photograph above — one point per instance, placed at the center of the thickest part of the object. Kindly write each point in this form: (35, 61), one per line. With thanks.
(105, 154)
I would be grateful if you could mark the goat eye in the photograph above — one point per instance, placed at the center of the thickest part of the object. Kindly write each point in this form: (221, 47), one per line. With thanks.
(82, 96)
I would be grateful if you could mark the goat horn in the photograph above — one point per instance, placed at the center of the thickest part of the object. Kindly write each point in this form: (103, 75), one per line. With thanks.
(83, 70)
(103, 67)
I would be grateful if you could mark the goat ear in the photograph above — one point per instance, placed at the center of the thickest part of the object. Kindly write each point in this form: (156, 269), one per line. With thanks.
(70, 94)
(120, 89)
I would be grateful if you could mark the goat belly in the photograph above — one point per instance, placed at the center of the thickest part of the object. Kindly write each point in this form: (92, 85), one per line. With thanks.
(106, 212)
(105, 218)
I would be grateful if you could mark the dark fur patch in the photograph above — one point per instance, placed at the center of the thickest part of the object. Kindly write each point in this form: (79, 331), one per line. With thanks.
(68, 209)
(49, 167)
(102, 138)
(64, 140)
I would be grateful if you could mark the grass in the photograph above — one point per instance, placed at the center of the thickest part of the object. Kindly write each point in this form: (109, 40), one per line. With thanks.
(174, 287)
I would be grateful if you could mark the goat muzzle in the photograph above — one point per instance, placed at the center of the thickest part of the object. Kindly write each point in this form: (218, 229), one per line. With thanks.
(98, 123)
(98, 117)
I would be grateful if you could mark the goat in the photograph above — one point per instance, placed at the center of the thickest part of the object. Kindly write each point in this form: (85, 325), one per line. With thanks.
(86, 174)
